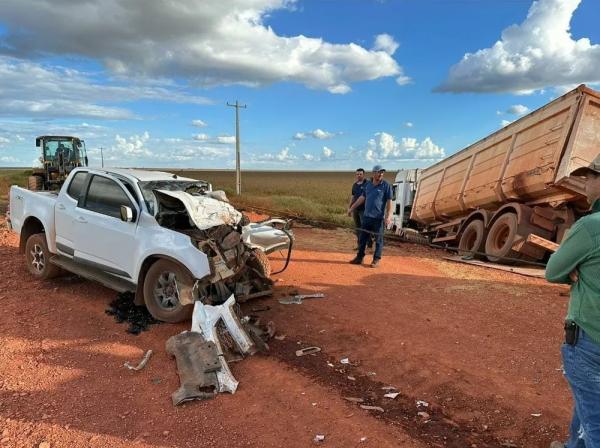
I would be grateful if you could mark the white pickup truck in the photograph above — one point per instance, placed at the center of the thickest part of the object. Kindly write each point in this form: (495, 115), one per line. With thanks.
(170, 240)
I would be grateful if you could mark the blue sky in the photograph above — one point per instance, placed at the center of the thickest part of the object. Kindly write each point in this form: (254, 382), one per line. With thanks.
(329, 84)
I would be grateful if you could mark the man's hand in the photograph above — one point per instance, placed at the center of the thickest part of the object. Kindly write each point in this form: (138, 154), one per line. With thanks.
(574, 275)
(388, 221)
(349, 212)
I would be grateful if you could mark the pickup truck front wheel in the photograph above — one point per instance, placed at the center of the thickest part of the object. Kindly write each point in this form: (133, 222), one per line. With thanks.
(165, 283)
(38, 257)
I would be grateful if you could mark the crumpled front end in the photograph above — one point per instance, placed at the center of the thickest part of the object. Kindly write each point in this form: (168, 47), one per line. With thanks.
(236, 249)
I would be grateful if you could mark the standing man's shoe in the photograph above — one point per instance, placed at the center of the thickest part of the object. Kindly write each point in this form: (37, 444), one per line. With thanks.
(356, 260)
(375, 262)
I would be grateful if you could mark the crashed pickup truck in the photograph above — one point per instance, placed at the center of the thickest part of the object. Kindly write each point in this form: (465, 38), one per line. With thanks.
(170, 240)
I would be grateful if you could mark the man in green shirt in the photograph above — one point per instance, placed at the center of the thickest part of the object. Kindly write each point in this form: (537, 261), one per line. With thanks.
(577, 263)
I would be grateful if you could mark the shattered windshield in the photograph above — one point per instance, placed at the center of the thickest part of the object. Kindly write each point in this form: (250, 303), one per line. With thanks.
(192, 187)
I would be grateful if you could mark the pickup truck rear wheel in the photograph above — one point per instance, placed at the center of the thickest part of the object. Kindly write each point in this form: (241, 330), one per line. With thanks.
(165, 283)
(38, 257)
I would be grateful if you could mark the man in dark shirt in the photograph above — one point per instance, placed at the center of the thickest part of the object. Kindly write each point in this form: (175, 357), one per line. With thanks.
(377, 199)
(357, 190)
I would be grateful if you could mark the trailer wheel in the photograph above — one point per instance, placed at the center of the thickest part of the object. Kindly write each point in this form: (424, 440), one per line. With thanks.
(38, 258)
(500, 239)
(472, 238)
(165, 283)
(35, 183)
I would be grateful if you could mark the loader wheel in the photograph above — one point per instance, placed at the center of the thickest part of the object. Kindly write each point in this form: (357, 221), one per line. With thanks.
(472, 238)
(35, 183)
(165, 283)
(261, 263)
(38, 257)
(500, 239)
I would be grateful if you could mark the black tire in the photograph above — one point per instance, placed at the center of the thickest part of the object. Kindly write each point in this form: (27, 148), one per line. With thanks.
(500, 239)
(472, 238)
(261, 263)
(38, 256)
(160, 296)
(35, 183)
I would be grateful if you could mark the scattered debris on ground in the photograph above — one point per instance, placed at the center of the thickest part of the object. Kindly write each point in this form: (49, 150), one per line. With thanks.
(297, 299)
(124, 310)
(201, 353)
(307, 351)
(141, 364)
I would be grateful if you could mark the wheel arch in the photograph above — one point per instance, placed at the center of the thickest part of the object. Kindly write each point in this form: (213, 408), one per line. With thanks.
(481, 214)
(31, 226)
(513, 207)
(145, 266)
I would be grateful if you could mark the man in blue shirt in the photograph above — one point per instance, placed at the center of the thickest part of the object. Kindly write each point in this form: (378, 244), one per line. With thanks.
(358, 188)
(377, 199)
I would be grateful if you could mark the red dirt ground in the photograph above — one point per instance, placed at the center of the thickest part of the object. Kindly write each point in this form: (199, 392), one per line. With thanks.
(481, 347)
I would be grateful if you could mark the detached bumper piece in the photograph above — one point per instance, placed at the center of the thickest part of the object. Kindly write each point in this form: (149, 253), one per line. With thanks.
(200, 354)
(197, 365)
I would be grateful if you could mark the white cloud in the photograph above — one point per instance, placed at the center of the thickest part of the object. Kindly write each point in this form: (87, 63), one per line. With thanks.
(4, 141)
(385, 43)
(328, 153)
(226, 139)
(538, 53)
(282, 156)
(308, 157)
(408, 124)
(384, 146)
(319, 134)
(199, 123)
(201, 137)
(133, 146)
(9, 159)
(205, 43)
(37, 90)
(518, 110)
(505, 123)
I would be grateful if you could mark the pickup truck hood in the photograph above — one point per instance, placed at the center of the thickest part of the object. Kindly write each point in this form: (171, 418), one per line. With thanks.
(204, 211)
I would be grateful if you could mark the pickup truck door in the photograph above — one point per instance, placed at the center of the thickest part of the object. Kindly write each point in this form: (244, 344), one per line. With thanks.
(102, 239)
(64, 213)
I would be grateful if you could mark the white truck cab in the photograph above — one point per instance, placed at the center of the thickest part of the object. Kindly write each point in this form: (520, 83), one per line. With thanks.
(404, 188)
(171, 240)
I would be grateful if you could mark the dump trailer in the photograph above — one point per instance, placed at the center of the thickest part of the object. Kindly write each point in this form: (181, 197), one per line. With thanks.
(510, 195)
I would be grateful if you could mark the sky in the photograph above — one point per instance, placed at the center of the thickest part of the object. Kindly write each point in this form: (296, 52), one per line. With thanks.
(328, 84)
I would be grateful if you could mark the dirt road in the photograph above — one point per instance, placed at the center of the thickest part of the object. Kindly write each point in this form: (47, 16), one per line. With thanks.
(479, 347)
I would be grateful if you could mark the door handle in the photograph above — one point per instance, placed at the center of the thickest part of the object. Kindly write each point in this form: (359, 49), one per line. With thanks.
(60, 207)
(81, 219)
(20, 198)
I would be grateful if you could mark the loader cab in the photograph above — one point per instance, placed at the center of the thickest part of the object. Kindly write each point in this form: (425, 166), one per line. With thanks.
(404, 189)
(59, 156)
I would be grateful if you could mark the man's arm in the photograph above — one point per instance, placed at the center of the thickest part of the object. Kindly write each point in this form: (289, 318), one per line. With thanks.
(572, 252)
(357, 203)
(388, 213)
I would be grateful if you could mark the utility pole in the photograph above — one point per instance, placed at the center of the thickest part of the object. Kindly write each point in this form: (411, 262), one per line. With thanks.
(238, 174)
(102, 155)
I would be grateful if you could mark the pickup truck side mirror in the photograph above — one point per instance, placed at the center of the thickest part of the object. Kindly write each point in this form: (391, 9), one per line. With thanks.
(126, 214)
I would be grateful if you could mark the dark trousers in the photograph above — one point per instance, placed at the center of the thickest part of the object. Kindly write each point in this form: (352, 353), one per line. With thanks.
(372, 228)
(357, 215)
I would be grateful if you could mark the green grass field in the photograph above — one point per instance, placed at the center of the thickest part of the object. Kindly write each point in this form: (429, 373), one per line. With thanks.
(319, 196)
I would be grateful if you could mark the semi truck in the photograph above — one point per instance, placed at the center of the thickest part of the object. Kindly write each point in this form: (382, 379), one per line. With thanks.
(511, 195)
